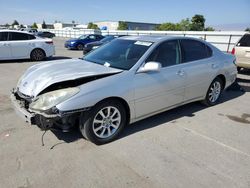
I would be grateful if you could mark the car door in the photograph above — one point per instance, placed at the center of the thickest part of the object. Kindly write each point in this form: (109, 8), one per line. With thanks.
(199, 67)
(155, 91)
(5, 52)
(21, 44)
(242, 50)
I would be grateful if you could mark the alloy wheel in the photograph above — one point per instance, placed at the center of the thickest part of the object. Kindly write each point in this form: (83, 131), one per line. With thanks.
(106, 122)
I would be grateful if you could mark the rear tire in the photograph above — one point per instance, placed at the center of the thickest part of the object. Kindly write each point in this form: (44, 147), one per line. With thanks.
(214, 92)
(104, 122)
(37, 55)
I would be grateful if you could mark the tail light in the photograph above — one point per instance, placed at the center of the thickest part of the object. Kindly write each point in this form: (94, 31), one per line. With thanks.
(49, 42)
(233, 51)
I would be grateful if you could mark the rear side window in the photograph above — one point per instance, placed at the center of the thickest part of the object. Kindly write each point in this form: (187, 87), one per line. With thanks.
(193, 50)
(20, 36)
(93, 37)
(244, 41)
(166, 53)
(3, 36)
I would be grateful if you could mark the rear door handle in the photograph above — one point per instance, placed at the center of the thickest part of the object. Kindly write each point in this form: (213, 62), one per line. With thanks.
(180, 73)
(214, 66)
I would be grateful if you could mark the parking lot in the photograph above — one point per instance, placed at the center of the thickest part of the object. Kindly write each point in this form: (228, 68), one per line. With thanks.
(191, 146)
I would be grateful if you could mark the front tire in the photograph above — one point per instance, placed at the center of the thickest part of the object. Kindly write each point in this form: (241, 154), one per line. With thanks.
(37, 55)
(214, 92)
(104, 122)
(79, 47)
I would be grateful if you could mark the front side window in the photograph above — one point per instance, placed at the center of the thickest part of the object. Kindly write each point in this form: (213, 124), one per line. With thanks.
(83, 37)
(244, 41)
(121, 54)
(20, 36)
(192, 50)
(166, 53)
(3, 36)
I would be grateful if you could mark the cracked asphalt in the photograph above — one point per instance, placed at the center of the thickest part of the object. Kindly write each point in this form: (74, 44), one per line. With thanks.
(191, 146)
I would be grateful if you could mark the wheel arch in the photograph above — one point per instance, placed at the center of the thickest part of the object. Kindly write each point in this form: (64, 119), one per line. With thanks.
(37, 48)
(223, 78)
(123, 102)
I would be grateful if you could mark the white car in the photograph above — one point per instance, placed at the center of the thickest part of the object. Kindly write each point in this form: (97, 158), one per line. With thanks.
(22, 45)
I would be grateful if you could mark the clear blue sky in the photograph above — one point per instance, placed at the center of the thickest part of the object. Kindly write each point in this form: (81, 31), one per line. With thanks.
(216, 12)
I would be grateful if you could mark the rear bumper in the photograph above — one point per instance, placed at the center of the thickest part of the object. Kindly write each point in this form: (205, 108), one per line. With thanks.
(243, 64)
(50, 51)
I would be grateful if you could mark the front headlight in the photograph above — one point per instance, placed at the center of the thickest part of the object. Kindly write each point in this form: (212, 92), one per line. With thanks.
(72, 42)
(50, 99)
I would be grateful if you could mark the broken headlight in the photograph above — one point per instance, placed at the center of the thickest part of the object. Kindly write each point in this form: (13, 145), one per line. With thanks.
(50, 99)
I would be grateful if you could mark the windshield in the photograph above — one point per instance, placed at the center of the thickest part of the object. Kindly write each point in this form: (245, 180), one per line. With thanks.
(107, 39)
(122, 54)
(83, 37)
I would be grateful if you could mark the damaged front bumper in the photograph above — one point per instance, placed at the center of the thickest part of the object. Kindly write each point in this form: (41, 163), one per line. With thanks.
(62, 120)
(21, 111)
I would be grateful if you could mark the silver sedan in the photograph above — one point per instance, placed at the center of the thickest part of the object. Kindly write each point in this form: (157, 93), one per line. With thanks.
(124, 81)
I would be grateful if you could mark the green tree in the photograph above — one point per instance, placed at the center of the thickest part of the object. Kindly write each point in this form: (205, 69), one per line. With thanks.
(166, 27)
(198, 23)
(184, 25)
(122, 26)
(34, 26)
(209, 29)
(7, 25)
(44, 26)
(91, 25)
(247, 29)
(15, 23)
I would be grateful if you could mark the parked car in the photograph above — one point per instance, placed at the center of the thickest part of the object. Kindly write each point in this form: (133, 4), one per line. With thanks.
(124, 81)
(22, 45)
(79, 43)
(242, 52)
(45, 34)
(29, 30)
(93, 45)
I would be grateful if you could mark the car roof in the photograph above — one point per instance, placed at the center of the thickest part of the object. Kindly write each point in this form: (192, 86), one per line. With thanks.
(17, 31)
(156, 38)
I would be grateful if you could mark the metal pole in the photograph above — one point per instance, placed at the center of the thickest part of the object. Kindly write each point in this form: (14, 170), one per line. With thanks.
(229, 43)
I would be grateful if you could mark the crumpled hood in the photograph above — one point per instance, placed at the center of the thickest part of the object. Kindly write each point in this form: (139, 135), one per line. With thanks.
(40, 76)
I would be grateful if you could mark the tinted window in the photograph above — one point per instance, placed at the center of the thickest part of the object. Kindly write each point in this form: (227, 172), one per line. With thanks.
(244, 41)
(20, 36)
(3, 36)
(121, 54)
(93, 37)
(166, 53)
(193, 50)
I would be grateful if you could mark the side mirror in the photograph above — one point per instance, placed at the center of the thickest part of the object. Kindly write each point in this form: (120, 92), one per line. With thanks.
(150, 67)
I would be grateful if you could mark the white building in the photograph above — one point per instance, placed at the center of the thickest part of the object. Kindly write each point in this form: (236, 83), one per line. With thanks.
(113, 25)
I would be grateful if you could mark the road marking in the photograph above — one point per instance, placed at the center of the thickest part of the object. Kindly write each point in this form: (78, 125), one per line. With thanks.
(217, 142)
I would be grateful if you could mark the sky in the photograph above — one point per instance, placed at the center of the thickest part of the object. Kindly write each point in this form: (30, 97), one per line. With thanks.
(221, 14)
